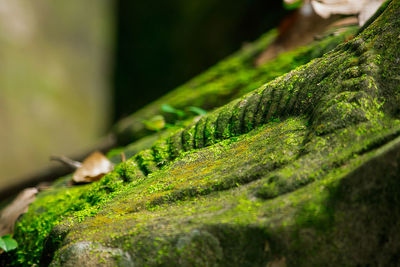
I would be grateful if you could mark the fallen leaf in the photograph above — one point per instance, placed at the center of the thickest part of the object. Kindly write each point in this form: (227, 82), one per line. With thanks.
(326, 8)
(93, 168)
(364, 8)
(368, 11)
(296, 29)
(15, 209)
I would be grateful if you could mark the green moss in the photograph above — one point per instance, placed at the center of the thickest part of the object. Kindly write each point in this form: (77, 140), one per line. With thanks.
(46, 212)
(146, 161)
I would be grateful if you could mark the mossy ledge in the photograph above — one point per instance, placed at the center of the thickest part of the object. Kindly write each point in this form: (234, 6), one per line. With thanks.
(228, 80)
(301, 171)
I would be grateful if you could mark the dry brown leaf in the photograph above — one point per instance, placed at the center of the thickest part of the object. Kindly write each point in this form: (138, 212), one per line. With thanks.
(93, 168)
(364, 8)
(297, 29)
(369, 9)
(15, 209)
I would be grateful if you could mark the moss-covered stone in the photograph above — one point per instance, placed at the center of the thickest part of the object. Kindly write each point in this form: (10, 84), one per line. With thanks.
(302, 171)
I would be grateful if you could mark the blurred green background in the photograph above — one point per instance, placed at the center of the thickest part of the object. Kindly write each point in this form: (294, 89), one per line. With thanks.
(69, 69)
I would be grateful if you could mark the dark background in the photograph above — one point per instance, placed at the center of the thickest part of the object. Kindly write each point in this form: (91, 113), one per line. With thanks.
(161, 44)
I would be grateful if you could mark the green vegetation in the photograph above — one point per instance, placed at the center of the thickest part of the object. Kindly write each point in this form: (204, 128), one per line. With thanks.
(7, 243)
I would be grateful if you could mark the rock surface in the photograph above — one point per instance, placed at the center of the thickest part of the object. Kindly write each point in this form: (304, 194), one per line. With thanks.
(302, 171)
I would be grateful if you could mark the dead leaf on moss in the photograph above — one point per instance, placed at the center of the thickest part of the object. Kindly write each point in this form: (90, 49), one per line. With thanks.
(10, 214)
(93, 168)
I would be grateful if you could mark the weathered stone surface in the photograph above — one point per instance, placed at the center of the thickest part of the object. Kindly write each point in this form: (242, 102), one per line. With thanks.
(83, 253)
(302, 171)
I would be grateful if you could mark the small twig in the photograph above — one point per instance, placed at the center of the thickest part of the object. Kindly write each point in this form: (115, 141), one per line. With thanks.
(123, 157)
(43, 186)
(67, 161)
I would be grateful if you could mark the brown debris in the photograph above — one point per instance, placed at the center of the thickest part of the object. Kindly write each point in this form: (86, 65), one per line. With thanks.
(297, 29)
(93, 168)
(364, 8)
(15, 209)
